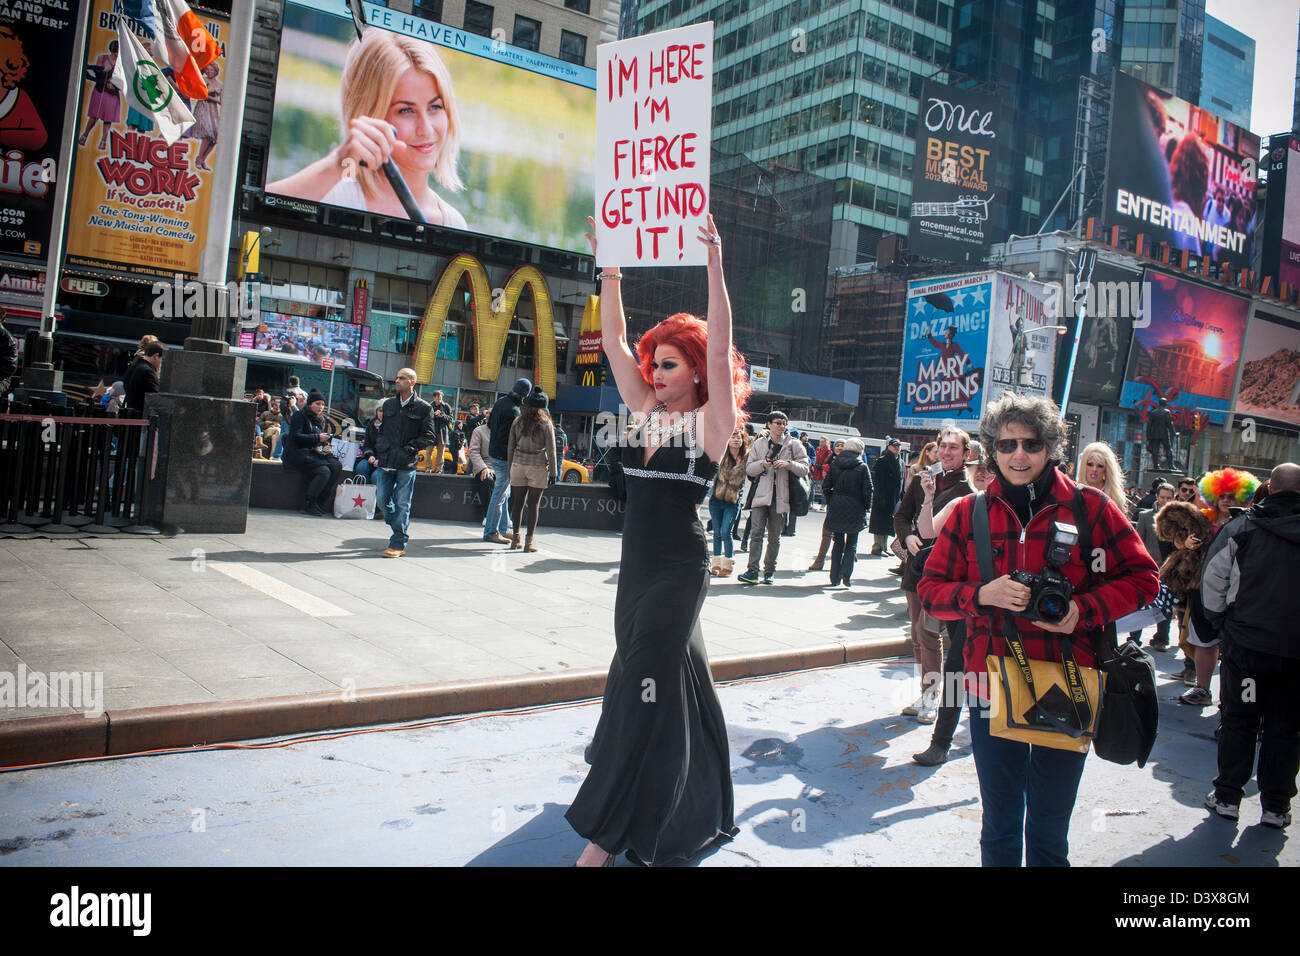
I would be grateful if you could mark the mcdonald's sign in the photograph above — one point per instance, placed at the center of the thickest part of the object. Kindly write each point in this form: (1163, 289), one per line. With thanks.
(490, 327)
(589, 342)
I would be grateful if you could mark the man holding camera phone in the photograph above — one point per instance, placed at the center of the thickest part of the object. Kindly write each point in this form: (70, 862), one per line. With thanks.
(1035, 537)
(949, 483)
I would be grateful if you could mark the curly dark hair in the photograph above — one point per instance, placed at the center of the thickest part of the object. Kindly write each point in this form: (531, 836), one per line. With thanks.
(1039, 415)
(1189, 172)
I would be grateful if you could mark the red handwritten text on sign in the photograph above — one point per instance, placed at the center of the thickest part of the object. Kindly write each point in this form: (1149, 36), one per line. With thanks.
(653, 131)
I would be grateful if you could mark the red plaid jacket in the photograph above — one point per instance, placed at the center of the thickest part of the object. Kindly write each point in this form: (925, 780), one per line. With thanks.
(1124, 577)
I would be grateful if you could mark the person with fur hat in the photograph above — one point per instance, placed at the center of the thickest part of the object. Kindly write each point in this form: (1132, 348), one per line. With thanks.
(307, 449)
(497, 523)
(533, 464)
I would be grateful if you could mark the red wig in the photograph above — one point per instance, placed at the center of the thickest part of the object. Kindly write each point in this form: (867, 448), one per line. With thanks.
(690, 336)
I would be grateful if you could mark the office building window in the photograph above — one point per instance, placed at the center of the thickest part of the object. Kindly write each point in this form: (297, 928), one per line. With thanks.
(582, 6)
(478, 18)
(528, 33)
(573, 47)
(428, 9)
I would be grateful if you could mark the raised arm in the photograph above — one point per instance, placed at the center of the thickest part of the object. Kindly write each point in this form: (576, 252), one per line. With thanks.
(718, 420)
(636, 393)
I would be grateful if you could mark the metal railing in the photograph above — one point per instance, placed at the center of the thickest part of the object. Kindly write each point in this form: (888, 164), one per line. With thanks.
(81, 473)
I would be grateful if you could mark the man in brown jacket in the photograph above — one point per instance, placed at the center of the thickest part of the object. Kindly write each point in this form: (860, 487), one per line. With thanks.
(950, 484)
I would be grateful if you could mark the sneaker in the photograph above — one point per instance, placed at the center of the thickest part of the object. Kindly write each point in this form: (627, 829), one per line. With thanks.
(767, 579)
(1278, 821)
(749, 577)
(1188, 676)
(1197, 697)
(1228, 811)
(914, 708)
(931, 757)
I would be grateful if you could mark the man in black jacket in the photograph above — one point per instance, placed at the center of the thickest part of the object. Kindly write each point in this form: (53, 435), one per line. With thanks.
(142, 377)
(407, 427)
(887, 479)
(441, 425)
(496, 526)
(1248, 589)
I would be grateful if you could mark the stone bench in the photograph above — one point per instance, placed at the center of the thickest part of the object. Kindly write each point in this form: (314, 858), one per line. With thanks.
(451, 498)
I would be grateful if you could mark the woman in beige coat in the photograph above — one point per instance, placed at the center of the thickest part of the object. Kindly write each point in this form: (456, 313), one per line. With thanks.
(533, 465)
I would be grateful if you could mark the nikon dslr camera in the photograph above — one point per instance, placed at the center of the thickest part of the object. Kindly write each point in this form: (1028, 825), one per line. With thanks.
(1050, 591)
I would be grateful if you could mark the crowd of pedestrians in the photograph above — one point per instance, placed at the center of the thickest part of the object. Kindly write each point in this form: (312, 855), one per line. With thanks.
(1221, 544)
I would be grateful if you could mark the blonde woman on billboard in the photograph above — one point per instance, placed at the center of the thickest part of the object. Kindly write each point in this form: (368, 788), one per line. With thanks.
(398, 104)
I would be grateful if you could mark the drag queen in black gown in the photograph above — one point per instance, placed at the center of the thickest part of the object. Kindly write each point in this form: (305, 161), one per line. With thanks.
(660, 781)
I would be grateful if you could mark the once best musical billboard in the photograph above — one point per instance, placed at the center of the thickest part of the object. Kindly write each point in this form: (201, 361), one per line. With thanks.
(953, 193)
(1179, 174)
(506, 149)
(1189, 351)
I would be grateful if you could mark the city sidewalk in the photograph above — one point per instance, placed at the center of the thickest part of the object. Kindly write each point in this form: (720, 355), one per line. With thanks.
(298, 605)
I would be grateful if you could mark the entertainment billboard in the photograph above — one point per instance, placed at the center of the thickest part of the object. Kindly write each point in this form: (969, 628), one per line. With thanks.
(489, 138)
(36, 55)
(1270, 371)
(945, 342)
(953, 209)
(1180, 174)
(1189, 351)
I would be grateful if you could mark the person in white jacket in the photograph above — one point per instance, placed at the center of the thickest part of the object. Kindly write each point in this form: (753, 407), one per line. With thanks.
(773, 458)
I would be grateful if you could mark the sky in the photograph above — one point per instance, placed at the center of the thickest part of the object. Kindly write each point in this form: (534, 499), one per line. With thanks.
(1273, 25)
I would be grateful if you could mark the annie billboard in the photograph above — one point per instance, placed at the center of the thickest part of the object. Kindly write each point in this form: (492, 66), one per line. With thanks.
(1188, 353)
(487, 137)
(1179, 174)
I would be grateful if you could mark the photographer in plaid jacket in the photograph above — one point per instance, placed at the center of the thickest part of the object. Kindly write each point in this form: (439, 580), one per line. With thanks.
(1024, 439)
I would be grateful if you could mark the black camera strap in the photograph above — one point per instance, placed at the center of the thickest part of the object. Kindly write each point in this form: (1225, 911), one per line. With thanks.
(1078, 692)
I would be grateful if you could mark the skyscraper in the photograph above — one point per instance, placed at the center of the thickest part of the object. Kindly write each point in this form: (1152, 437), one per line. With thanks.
(1227, 72)
(824, 86)
(1051, 63)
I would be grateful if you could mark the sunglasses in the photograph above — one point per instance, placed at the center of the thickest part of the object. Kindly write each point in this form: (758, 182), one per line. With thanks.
(1007, 446)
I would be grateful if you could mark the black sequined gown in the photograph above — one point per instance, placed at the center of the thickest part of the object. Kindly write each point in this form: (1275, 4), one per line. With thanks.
(660, 779)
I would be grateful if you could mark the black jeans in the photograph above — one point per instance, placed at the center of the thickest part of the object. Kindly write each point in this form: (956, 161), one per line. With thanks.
(1162, 634)
(323, 477)
(953, 687)
(1259, 691)
(844, 552)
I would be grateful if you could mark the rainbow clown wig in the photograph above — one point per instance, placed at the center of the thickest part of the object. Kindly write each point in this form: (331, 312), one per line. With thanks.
(1227, 481)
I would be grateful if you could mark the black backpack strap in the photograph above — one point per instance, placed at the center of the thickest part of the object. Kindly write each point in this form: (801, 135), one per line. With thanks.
(983, 538)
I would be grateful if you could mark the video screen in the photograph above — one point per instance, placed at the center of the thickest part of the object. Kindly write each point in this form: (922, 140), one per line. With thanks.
(1180, 174)
(489, 138)
(313, 339)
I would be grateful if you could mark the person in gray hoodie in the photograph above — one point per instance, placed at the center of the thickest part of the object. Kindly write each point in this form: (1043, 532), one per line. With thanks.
(1248, 591)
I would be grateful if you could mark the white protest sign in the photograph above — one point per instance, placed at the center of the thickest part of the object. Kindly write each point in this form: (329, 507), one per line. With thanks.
(654, 118)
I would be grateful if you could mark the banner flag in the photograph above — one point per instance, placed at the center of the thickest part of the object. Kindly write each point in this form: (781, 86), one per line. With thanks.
(146, 89)
(188, 80)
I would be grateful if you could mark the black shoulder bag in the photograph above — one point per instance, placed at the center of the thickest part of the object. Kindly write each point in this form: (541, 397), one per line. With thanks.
(1129, 715)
